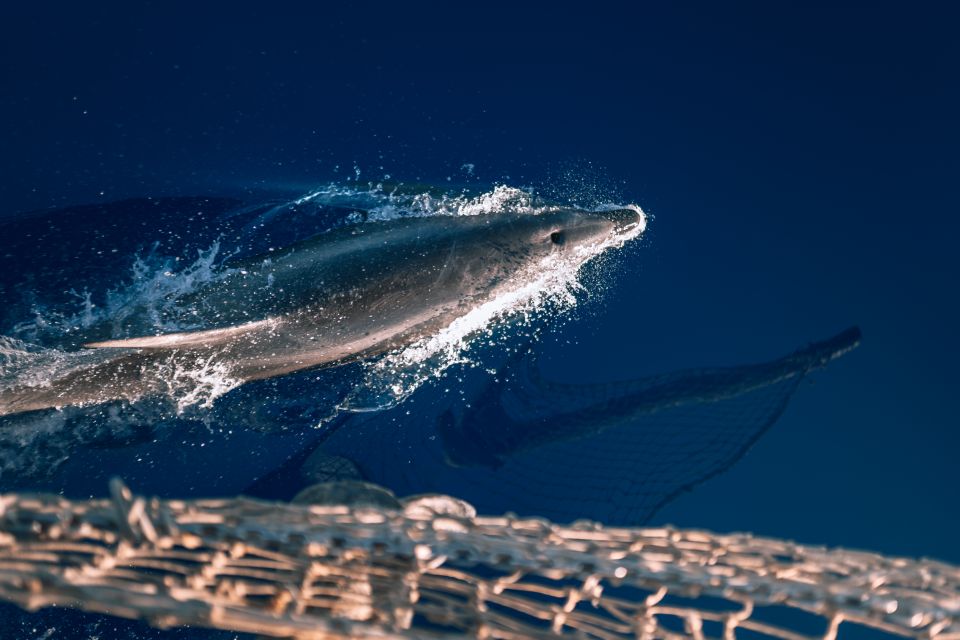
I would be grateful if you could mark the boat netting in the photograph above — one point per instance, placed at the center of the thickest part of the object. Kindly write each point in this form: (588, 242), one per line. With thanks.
(430, 567)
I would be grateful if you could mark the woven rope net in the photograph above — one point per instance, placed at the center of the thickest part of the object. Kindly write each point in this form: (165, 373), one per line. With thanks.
(432, 568)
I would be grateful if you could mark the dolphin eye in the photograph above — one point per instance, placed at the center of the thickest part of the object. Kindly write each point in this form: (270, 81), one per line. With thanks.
(558, 237)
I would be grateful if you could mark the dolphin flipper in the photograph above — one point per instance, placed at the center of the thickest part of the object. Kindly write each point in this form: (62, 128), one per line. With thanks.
(189, 339)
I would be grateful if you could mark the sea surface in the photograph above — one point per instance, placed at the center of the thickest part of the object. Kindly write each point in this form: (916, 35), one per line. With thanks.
(796, 166)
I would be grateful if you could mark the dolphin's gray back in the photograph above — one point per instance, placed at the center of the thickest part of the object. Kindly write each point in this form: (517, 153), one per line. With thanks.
(363, 265)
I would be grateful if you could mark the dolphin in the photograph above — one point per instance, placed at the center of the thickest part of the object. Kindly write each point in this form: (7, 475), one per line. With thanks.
(348, 294)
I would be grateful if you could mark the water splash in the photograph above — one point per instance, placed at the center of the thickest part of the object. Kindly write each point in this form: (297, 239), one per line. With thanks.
(26, 364)
(149, 301)
(385, 201)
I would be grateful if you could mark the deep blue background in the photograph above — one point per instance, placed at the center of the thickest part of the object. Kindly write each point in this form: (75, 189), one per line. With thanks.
(800, 163)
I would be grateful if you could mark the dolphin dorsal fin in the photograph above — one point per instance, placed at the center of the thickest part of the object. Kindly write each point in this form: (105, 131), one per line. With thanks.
(188, 339)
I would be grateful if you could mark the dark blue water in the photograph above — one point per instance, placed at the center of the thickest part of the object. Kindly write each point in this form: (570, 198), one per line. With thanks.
(799, 166)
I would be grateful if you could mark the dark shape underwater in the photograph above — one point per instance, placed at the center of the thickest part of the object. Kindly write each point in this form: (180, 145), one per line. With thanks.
(611, 452)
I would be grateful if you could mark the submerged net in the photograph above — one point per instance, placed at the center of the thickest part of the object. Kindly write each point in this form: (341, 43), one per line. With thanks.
(620, 476)
(614, 452)
(431, 568)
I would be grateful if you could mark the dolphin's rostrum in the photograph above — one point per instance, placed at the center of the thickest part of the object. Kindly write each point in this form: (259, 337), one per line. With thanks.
(352, 293)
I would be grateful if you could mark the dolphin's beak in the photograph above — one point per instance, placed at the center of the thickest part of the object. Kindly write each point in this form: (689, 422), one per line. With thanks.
(625, 219)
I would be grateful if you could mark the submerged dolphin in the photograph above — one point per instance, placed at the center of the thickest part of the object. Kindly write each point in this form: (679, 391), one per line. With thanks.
(348, 294)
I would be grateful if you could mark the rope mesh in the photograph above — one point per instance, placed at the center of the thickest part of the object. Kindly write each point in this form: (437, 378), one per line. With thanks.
(433, 569)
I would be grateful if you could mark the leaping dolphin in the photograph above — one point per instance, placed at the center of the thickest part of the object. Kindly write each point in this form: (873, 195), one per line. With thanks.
(348, 294)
